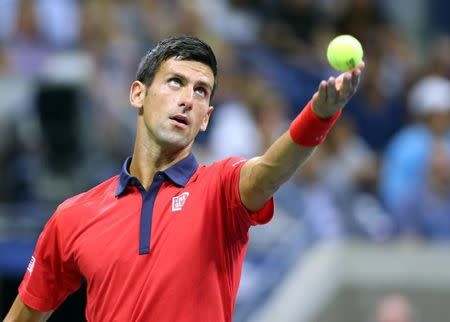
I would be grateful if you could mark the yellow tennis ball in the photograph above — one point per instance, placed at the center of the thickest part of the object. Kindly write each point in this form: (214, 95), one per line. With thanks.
(344, 52)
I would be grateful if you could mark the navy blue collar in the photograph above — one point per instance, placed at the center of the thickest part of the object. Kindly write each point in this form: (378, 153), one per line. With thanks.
(179, 173)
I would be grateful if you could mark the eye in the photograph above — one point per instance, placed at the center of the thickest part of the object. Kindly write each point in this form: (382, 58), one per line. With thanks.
(175, 82)
(201, 91)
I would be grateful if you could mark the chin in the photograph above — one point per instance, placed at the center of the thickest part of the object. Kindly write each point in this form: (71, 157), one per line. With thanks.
(175, 141)
(174, 138)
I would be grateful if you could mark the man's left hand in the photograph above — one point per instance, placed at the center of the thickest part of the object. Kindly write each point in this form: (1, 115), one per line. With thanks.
(334, 93)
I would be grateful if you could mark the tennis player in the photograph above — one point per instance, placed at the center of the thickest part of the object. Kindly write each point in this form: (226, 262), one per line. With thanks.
(165, 239)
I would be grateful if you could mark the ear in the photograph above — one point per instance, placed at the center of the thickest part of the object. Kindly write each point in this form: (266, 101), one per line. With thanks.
(137, 94)
(206, 119)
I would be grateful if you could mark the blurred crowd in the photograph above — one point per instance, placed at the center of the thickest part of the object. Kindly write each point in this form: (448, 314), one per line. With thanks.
(383, 174)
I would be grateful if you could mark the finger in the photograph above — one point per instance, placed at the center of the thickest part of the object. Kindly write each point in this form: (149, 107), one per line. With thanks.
(331, 90)
(322, 92)
(356, 76)
(347, 87)
(356, 73)
(361, 66)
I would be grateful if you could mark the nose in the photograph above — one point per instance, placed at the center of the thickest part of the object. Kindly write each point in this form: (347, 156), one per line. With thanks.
(186, 98)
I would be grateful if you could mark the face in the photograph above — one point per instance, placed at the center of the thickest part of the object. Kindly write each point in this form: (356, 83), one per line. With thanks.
(175, 107)
(394, 309)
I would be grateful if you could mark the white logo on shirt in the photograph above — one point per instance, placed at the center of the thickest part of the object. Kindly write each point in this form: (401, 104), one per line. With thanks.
(31, 264)
(178, 201)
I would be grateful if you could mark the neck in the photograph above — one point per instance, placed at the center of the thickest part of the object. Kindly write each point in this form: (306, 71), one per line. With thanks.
(150, 157)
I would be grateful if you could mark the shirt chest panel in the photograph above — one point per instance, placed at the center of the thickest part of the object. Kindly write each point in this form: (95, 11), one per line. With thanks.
(184, 230)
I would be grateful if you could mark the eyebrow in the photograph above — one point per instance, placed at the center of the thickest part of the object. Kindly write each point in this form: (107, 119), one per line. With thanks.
(202, 83)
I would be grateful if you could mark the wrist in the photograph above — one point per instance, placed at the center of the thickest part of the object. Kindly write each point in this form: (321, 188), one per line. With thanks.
(309, 129)
(319, 113)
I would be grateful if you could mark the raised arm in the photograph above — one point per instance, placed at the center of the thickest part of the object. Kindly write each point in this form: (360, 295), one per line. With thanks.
(261, 176)
(19, 312)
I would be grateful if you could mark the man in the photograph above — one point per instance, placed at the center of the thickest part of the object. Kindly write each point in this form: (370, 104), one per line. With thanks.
(394, 308)
(165, 240)
(424, 215)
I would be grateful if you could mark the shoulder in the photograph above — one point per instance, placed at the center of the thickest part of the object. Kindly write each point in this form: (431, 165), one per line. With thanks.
(228, 163)
(412, 133)
(412, 139)
(218, 171)
(220, 168)
(92, 198)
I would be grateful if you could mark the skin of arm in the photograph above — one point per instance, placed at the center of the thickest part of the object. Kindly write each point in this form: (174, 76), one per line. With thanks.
(20, 312)
(261, 176)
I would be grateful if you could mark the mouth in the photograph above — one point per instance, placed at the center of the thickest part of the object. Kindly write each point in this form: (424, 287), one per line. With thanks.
(180, 120)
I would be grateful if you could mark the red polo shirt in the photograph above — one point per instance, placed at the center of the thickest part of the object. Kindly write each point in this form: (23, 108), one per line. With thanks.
(171, 253)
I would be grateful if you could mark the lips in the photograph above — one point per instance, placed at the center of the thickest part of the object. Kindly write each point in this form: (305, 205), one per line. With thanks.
(180, 118)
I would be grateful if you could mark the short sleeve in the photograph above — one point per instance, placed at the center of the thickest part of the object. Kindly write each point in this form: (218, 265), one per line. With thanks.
(50, 276)
(239, 217)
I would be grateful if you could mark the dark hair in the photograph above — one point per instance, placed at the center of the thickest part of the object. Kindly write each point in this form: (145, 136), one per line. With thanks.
(184, 47)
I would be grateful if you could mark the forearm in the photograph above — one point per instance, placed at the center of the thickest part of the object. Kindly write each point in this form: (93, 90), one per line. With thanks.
(280, 162)
(19, 312)
(292, 149)
(265, 174)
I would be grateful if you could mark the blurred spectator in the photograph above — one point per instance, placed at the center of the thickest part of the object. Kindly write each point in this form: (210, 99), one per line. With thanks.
(300, 16)
(113, 35)
(394, 308)
(350, 167)
(12, 170)
(33, 30)
(414, 24)
(307, 197)
(26, 50)
(269, 110)
(233, 20)
(359, 15)
(350, 171)
(234, 130)
(8, 14)
(426, 212)
(59, 22)
(16, 98)
(378, 110)
(438, 60)
(405, 159)
(438, 19)
(236, 133)
(4, 64)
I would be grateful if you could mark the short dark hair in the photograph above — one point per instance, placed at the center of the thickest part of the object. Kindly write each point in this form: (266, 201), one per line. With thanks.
(184, 47)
